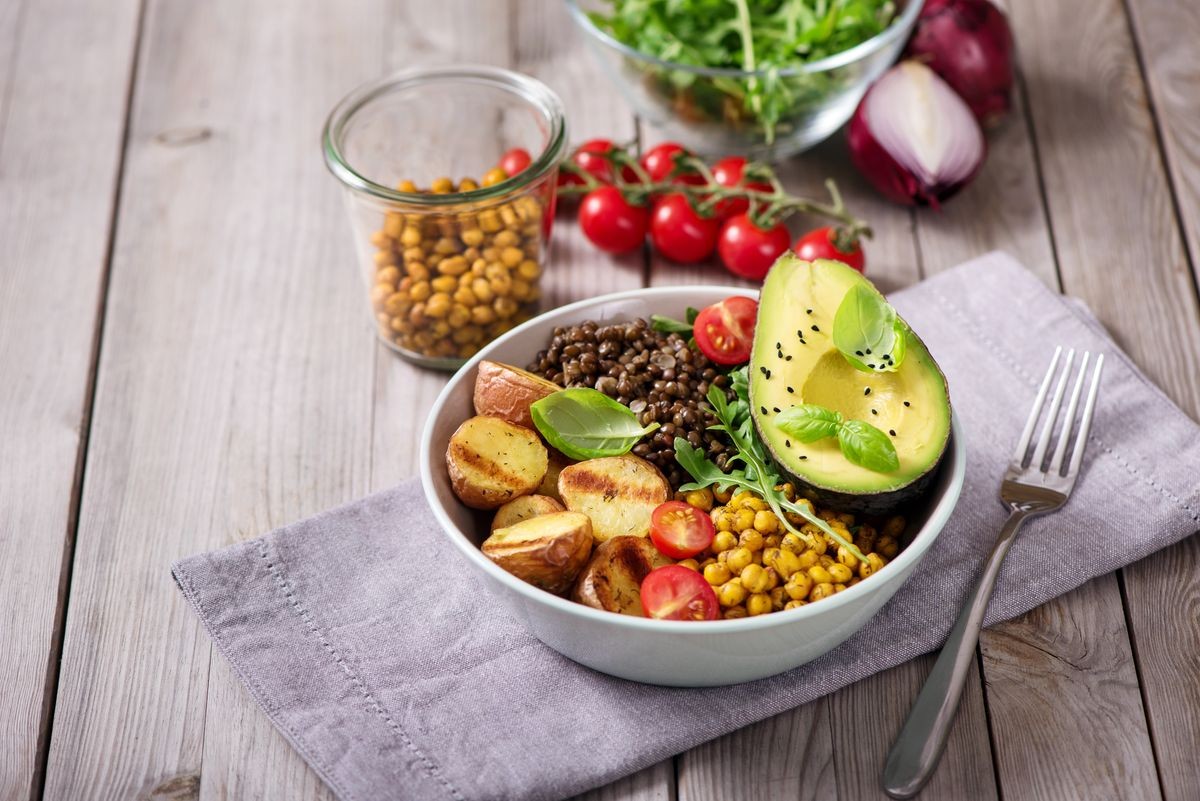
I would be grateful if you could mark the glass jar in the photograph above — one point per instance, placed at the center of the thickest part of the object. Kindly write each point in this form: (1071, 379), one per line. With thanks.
(451, 247)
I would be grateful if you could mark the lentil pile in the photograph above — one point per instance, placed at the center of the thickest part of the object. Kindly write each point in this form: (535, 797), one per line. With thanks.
(447, 283)
(756, 566)
(655, 374)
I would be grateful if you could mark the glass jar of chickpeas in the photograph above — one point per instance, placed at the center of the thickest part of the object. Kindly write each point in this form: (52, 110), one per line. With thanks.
(451, 244)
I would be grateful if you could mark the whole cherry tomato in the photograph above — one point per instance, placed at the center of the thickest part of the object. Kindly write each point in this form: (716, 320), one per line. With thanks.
(679, 233)
(673, 592)
(515, 160)
(728, 172)
(590, 157)
(659, 160)
(611, 222)
(822, 244)
(748, 250)
(724, 332)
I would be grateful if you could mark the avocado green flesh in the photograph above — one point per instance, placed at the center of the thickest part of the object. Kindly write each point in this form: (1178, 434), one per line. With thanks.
(796, 297)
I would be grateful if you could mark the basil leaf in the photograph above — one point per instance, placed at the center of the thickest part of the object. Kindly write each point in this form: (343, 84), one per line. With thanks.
(809, 422)
(668, 325)
(867, 446)
(692, 314)
(587, 424)
(867, 331)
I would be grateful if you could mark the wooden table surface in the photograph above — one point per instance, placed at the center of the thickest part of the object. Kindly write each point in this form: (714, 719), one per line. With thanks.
(185, 362)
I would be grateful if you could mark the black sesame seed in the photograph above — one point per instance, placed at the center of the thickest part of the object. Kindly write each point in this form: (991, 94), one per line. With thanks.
(779, 346)
(867, 391)
(906, 403)
(792, 391)
(818, 330)
(868, 351)
(762, 409)
(787, 442)
(762, 370)
(775, 409)
(803, 457)
(892, 431)
(870, 365)
(808, 311)
(800, 333)
(858, 353)
(787, 358)
(873, 411)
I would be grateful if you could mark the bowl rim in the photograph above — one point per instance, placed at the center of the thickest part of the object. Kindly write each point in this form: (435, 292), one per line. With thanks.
(929, 532)
(901, 26)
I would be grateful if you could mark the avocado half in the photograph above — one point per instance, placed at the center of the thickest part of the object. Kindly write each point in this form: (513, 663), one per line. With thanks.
(795, 319)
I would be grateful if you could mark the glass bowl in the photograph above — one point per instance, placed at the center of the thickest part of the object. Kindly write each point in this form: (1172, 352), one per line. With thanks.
(452, 252)
(702, 107)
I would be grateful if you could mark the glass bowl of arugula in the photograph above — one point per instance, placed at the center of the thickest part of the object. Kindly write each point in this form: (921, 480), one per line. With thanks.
(759, 78)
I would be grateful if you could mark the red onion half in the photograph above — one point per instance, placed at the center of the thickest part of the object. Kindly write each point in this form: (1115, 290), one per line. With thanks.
(913, 138)
(969, 43)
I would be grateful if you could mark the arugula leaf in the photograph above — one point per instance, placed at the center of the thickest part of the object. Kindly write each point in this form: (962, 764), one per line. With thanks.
(809, 422)
(585, 423)
(692, 314)
(867, 446)
(868, 332)
(668, 325)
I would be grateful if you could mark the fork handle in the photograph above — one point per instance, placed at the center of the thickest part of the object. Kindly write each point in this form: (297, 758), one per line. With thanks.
(917, 749)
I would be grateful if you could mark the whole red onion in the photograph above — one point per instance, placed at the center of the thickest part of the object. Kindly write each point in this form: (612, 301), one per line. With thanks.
(914, 138)
(969, 43)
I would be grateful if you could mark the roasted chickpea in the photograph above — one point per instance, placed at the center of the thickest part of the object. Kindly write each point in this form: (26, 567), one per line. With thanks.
(758, 603)
(717, 574)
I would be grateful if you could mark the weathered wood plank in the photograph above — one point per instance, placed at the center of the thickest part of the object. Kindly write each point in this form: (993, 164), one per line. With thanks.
(64, 75)
(1166, 645)
(1063, 697)
(233, 391)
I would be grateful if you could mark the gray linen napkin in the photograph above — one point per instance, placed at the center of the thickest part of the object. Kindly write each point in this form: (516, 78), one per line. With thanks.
(387, 666)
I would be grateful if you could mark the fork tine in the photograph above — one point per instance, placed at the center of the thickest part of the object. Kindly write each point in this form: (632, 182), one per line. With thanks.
(1086, 423)
(1043, 442)
(1060, 450)
(1027, 432)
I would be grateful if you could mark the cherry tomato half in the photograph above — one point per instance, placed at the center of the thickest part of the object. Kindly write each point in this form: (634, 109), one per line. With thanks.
(748, 250)
(821, 244)
(679, 233)
(515, 160)
(611, 222)
(673, 592)
(724, 331)
(728, 172)
(680, 530)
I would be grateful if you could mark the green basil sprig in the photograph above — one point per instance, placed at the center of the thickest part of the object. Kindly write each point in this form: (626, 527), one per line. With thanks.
(868, 332)
(862, 443)
(585, 423)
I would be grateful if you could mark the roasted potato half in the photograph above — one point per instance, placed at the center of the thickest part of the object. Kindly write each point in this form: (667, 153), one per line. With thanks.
(492, 461)
(618, 493)
(547, 551)
(523, 508)
(504, 391)
(612, 579)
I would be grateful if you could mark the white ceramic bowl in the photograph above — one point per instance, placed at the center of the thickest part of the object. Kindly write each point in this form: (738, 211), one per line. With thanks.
(673, 653)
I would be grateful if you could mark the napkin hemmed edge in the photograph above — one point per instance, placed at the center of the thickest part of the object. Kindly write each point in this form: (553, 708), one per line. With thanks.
(183, 581)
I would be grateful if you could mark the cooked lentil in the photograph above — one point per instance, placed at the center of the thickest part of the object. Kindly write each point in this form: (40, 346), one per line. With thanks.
(656, 375)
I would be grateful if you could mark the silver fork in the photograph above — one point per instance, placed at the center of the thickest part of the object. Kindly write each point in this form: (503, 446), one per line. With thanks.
(1028, 489)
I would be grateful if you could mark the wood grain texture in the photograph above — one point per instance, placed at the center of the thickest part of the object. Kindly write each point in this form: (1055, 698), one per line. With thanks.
(787, 756)
(655, 783)
(233, 390)
(1166, 645)
(59, 166)
(1046, 665)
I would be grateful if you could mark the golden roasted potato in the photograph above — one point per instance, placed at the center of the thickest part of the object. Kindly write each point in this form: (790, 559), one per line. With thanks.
(547, 551)
(523, 508)
(618, 493)
(492, 461)
(612, 579)
(504, 391)
(549, 485)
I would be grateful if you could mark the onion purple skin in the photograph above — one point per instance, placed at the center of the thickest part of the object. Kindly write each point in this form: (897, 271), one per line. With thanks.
(887, 175)
(970, 45)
